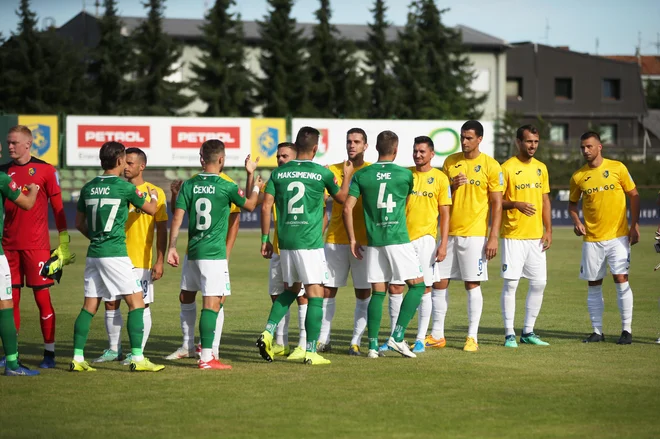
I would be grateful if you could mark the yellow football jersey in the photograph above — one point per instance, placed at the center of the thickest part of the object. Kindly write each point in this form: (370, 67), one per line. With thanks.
(526, 182)
(336, 230)
(470, 202)
(430, 191)
(276, 247)
(140, 229)
(603, 191)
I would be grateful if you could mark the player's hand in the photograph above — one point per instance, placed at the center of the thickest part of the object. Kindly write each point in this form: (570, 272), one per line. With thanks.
(152, 193)
(32, 187)
(251, 166)
(458, 181)
(579, 229)
(526, 208)
(348, 169)
(633, 235)
(258, 182)
(441, 253)
(62, 252)
(491, 248)
(157, 271)
(546, 240)
(356, 249)
(267, 250)
(175, 187)
(173, 257)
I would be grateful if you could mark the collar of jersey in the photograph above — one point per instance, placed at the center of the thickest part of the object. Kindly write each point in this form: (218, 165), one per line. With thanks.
(300, 161)
(384, 163)
(208, 174)
(107, 176)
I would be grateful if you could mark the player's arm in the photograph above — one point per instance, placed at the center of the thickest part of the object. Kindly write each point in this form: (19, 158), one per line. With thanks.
(161, 247)
(81, 223)
(175, 187)
(574, 197)
(546, 215)
(26, 202)
(633, 235)
(342, 194)
(252, 202)
(495, 199)
(347, 213)
(250, 167)
(232, 231)
(266, 209)
(177, 219)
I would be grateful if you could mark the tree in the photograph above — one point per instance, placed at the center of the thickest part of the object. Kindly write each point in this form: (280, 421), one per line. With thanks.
(111, 64)
(283, 90)
(408, 70)
(156, 59)
(379, 56)
(652, 90)
(222, 80)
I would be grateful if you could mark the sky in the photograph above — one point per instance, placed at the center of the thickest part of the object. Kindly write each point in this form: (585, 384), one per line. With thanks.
(604, 27)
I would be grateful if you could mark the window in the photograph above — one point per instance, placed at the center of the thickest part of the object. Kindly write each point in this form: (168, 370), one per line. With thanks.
(608, 134)
(612, 89)
(564, 88)
(514, 90)
(559, 133)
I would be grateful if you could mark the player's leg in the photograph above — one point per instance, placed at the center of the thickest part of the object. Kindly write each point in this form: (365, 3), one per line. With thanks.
(147, 285)
(13, 261)
(275, 288)
(219, 324)
(188, 314)
(513, 261)
(95, 290)
(211, 288)
(474, 269)
(593, 268)
(535, 271)
(425, 248)
(338, 262)
(299, 352)
(618, 259)
(443, 271)
(362, 298)
(113, 324)
(379, 274)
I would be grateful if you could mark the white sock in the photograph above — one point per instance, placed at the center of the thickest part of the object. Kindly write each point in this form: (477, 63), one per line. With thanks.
(79, 358)
(217, 335)
(188, 316)
(596, 305)
(147, 326)
(326, 324)
(360, 320)
(302, 314)
(508, 303)
(50, 347)
(440, 303)
(475, 305)
(113, 324)
(533, 304)
(624, 296)
(424, 316)
(207, 354)
(137, 357)
(394, 306)
(282, 331)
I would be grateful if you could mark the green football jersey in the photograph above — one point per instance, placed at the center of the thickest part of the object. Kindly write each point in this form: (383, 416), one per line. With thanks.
(8, 190)
(299, 188)
(384, 187)
(105, 201)
(208, 198)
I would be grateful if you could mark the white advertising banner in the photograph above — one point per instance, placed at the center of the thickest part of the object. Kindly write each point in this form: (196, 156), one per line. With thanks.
(444, 133)
(167, 141)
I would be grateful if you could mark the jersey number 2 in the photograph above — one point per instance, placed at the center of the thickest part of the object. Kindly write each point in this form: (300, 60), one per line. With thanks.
(96, 203)
(296, 185)
(382, 203)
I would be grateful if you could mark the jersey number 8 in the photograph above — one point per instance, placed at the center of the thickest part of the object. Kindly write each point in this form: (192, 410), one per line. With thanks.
(203, 214)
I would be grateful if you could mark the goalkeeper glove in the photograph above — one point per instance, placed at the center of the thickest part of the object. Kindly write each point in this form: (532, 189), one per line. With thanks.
(52, 268)
(62, 252)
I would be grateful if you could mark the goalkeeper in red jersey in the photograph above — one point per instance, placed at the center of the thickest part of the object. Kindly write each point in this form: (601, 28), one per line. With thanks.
(26, 240)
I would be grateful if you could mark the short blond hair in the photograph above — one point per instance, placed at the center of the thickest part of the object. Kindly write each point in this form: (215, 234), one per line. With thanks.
(21, 129)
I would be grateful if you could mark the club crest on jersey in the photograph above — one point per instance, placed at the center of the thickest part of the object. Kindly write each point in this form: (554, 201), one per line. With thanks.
(538, 172)
(32, 171)
(477, 168)
(430, 180)
(606, 174)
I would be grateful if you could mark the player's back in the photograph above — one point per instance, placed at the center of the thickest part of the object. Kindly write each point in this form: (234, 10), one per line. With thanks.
(384, 187)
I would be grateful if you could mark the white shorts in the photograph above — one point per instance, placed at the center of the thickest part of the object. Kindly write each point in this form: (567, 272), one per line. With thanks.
(339, 260)
(466, 260)
(393, 262)
(210, 276)
(147, 285)
(109, 278)
(5, 279)
(275, 281)
(597, 255)
(425, 247)
(523, 258)
(306, 266)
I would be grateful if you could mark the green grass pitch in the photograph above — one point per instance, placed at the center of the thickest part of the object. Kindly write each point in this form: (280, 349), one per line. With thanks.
(566, 390)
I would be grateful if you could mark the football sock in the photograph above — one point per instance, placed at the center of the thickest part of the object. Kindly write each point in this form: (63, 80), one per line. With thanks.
(424, 316)
(113, 323)
(374, 317)
(207, 323)
(508, 302)
(16, 298)
(9, 338)
(302, 315)
(440, 302)
(47, 314)
(394, 308)
(135, 328)
(80, 333)
(596, 305)
(279, 309)
(624, 296)
(188, 316)
(219, 323)
(313, 322)
(475, 304)
(408, 309)
(147, 326)
(533, 304)
(360, 320)
(328, 314)
(282, 332)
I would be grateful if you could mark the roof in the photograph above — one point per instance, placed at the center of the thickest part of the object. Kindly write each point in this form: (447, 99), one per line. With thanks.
(649, 64)
(652, 122)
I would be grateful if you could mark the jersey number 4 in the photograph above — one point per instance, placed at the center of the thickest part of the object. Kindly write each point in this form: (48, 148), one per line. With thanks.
(388, 204)
(95, 203)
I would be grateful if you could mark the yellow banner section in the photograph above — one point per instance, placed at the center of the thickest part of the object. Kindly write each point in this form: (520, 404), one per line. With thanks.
(266, 135)
(45, 137)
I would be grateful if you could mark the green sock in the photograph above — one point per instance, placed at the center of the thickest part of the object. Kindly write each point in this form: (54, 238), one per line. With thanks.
(374, 317)
(408, 310)
(279, 309)
(313, 321)
(9, 337)
(81, 331)
(135, 327)
(207, 327)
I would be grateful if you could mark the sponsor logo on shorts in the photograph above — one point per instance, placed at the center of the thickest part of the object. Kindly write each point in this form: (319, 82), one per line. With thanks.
(504, 267)
(581, 269)
(481, 267)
